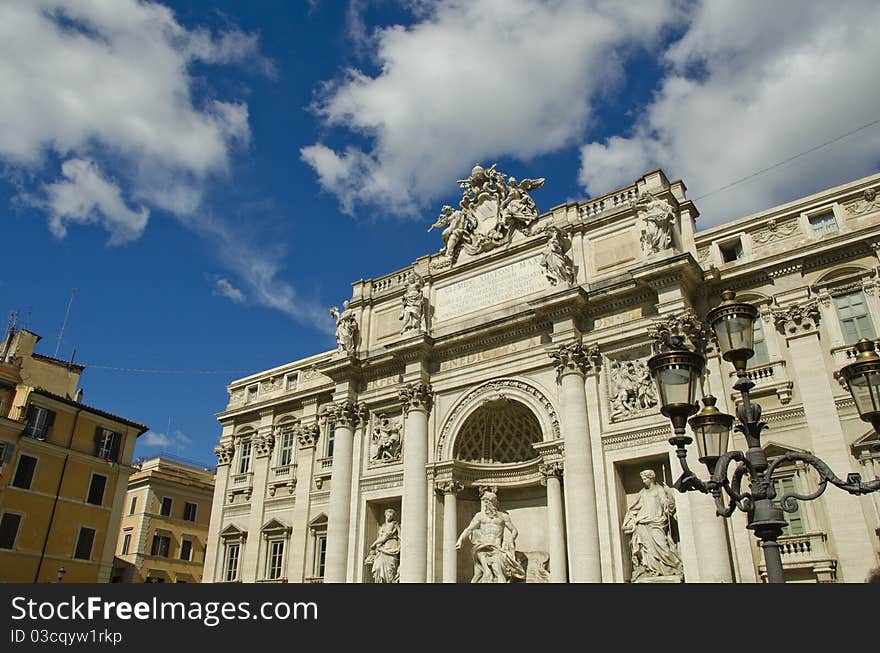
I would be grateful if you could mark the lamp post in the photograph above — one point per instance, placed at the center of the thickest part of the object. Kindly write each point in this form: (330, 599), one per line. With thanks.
(678, 371)
(61, 572)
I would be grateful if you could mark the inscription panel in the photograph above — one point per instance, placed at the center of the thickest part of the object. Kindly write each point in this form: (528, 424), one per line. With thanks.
(497, 286)
(614, 250)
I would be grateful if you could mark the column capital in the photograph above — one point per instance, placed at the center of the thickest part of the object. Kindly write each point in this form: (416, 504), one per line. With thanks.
(416, 396)
(347, 414)
(224, 453)
(263, 444)
(686, 324)
(551, 469)
(798, 319)
(307, 436)
(448, 487)
(574, 358)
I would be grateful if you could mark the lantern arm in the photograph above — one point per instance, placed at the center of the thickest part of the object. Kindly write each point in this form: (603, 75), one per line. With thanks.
(733, 487)
(853, 483)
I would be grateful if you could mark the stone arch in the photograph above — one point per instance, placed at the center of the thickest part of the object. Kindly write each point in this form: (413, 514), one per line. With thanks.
(514, 389)
(841, 276)
(244, 433)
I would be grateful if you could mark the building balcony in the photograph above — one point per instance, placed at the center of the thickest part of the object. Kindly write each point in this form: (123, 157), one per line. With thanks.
(313, 579)
(769, 378)
(325, 463)
(242, 480)
(807, 554)
(284, 472)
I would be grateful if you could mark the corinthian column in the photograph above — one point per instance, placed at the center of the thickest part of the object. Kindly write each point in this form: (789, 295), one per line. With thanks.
(416, 399)
(572, 364)
(448, 489)
(551, 475)
(347, 414)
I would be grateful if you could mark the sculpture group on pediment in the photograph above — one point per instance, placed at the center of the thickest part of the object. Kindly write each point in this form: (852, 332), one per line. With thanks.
(413, 312)
(647, 522)
(384, 556)
(386, 443)
(555, 262)
(657, 216)
(493, 206)
(347, 332)
(631, 389)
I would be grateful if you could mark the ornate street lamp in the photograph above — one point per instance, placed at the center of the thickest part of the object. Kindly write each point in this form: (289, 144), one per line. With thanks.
(61, 572)
(676, 374)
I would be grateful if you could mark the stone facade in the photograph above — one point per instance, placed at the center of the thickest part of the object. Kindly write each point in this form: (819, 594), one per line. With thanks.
(522, 374)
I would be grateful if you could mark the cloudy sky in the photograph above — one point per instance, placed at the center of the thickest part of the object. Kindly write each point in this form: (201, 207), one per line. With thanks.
(210, 176)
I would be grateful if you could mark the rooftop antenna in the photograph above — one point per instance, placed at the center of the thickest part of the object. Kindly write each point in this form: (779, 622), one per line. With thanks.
(64, 324)
(10, 331)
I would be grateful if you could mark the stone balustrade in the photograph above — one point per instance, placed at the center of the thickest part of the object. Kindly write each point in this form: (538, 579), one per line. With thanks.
(769, 378)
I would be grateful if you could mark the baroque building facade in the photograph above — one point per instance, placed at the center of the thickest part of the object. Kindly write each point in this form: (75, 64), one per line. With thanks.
(509, 370)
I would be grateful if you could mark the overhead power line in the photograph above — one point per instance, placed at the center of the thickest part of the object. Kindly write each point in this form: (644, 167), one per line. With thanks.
(790, 159)
(141, 370)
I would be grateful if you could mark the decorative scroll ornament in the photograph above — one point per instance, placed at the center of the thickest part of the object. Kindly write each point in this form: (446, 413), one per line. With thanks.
(551, 469)
(575, 358)
(413, 302)
(347, 330)
(385, 441)
(493, 207)
(448, 487)
(416, 396)
(685, 326)
(631, 389)
(224, 453)
(797, 318)
(775, 231)
(657, 216)
(307, 436)
(556, 263)
(869, 202)
(263, 445)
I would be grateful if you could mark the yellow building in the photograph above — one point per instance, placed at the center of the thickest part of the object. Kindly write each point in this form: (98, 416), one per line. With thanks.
(64, 468)
(163, 534)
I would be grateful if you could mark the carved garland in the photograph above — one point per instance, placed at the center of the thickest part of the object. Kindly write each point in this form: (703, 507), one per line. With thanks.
(467, 402)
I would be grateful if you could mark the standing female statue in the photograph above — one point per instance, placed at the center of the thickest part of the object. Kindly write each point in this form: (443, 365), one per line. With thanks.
(385, 550)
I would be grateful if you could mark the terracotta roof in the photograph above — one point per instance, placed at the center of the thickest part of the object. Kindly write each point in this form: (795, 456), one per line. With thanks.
(92, 409)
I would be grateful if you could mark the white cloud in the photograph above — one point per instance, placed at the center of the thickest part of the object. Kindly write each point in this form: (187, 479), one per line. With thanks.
(470, 81)
(173, 441)
(742, 94)
(86, 196)
(223, 288)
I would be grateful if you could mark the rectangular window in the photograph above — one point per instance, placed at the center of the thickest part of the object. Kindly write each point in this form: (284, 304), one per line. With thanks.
(189, 511)
(761, 357)
(320, 554)
(186, 549)
(24, 473)
(244, 460)
(165, 511)
(276, 555)
(291, 381)
(331, 431)
(854, 319)
(39, 422)
(285, 448)
(84, 543)
(252, 394)
(96, 490)
(823, 223)
(9, 530)
(794, 520)
(106, 443)
(731, 251)
(230, 567)
(161, 546)
(133, 505)
(126, 543)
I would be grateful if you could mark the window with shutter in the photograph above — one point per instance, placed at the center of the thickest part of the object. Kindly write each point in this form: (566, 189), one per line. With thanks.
(166, 506)
(854, 319)
(795, 521)
(106, 443)
(39, 422)
(761, 357)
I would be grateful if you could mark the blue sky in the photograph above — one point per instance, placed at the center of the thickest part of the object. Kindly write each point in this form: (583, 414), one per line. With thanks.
(211, 176)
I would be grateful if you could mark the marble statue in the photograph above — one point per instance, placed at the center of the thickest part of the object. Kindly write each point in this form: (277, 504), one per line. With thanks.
(493, 207)
(346, 329)
(386, 443)
(658, 217)
(384, 556)
(631, 388)
(654, 553)
(556, 264)
(494, 559)
(413, 304)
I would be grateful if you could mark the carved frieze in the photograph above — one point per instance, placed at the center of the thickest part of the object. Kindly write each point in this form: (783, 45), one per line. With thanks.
(797, 318)
(385, 441)
(868, 203)
(631, 391)
(416, 396)
(775, 231)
